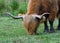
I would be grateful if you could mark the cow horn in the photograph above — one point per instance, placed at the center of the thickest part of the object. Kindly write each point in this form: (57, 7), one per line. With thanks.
(40, 16)
(15, 17)
(44, 14)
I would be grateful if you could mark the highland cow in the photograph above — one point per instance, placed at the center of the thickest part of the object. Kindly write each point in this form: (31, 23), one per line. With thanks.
(37, 11)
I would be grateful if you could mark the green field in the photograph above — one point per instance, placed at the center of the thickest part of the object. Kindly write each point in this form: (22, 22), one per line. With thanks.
(13, 31)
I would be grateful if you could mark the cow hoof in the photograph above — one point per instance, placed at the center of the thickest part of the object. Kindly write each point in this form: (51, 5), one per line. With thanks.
(46, 31)
(52, 31)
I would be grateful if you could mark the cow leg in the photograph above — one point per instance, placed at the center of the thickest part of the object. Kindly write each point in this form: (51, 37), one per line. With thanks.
(51, 20)
(51, 26)
(46, 26)
(58, 28)
(46, 29)
(52, 16)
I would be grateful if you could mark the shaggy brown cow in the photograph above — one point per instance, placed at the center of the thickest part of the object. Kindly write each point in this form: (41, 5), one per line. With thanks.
(38, 10)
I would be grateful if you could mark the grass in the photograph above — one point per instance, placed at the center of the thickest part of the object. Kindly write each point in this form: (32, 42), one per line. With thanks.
(13, 31)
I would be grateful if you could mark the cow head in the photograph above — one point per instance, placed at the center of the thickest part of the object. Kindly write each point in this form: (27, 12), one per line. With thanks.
(31, 22)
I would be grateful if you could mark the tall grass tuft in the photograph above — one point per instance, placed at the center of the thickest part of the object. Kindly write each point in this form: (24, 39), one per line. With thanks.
(13, 6)
(2, 4)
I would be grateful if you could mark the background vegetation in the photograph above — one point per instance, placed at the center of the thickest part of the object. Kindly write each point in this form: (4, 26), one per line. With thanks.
(13, 6)
(13, 31)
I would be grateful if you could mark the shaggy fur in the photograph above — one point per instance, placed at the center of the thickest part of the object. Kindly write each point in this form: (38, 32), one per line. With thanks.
(39, 7)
